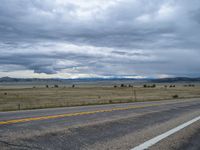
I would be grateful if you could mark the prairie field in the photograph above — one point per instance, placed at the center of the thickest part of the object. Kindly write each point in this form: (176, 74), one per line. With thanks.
(33, 97)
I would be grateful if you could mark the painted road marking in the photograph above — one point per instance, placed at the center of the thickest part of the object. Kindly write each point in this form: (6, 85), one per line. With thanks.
(72, 114)
(158, 138)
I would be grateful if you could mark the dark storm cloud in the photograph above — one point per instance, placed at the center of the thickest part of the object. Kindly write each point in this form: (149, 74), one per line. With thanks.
(102, 37)
(51, 61)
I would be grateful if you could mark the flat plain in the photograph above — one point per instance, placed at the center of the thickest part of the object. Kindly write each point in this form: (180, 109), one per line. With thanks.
(15, 97)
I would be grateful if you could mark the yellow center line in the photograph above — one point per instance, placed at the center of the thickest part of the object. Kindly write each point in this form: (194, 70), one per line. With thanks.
(72, 114)
(78, 113)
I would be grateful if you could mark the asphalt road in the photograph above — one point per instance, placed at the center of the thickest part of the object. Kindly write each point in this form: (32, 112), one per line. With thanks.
(103, 127)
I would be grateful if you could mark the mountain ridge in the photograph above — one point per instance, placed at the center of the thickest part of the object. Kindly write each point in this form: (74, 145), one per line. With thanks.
(175, 79)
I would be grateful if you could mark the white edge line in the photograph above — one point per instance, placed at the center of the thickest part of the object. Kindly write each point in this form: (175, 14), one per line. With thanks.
(158, 138)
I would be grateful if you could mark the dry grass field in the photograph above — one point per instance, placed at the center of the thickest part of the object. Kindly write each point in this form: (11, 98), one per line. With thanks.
(42, 97)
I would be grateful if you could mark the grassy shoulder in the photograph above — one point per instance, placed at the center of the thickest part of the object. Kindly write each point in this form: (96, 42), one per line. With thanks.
(61, 96)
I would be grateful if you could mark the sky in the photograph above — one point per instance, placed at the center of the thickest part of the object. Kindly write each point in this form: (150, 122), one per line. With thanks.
(99, 38)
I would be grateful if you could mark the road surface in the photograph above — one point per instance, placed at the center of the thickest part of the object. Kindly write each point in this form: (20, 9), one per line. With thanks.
(115, 126)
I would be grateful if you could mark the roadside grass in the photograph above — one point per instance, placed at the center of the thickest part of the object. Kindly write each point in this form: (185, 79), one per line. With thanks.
(42, 97)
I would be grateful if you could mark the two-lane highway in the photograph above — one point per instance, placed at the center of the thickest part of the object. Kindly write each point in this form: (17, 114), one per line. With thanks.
(116, 126)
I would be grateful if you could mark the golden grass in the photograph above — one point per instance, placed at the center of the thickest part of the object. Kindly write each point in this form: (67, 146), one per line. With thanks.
(32, 98)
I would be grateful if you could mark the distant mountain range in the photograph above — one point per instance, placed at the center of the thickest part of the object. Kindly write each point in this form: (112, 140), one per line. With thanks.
(177, 79)
(8, 79)
(159, 80)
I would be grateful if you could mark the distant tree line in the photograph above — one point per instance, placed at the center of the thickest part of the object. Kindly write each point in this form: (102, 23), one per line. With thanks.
(149, 86)
(123, 85)
(189, 85)
(170, 86)
(57, 86)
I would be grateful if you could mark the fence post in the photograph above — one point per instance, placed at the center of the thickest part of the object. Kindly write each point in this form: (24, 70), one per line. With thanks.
(19, 107)
(135, 94)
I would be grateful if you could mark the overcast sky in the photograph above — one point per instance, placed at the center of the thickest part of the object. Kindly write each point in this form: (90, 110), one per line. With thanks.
(99, 38)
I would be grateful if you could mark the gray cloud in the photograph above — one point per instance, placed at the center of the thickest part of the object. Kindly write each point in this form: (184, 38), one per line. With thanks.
(101, 37)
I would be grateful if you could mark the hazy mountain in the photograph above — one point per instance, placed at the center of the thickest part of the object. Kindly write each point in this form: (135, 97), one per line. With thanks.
(176, 79)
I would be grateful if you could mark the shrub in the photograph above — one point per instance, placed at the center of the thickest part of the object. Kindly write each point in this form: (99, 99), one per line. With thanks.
(175, 96)
(130, 85)
(56, 86)
(122, 85)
